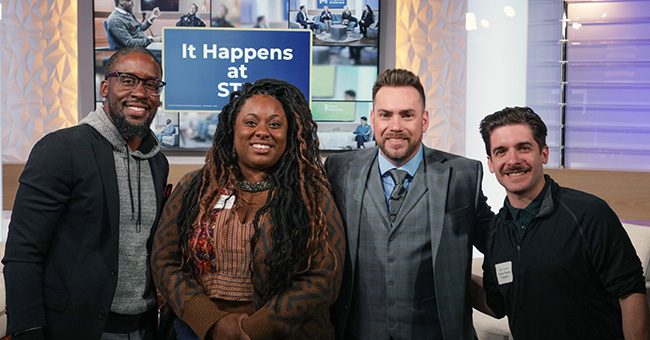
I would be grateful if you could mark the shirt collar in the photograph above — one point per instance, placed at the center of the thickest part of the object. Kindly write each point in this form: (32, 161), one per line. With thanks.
(533, 207)
(411, 166)
(121, 10)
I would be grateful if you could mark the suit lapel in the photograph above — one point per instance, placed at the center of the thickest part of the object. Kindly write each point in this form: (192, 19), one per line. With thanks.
(357, 181)
(106, 164)
(437, 176)
(375, 188)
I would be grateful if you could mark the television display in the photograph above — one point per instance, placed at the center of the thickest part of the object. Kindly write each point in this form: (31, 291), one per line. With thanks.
(333, 111)
(345, 56)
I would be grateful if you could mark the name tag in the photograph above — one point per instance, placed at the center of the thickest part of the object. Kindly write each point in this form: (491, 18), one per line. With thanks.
(504, 272)
(225, 202)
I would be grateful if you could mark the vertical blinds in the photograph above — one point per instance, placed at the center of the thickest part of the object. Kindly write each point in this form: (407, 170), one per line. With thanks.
(544, 70)
(589, 79)
(607, 118)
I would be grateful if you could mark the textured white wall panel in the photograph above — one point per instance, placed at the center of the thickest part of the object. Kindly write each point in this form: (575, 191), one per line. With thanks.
(431, 42)
(38, 47)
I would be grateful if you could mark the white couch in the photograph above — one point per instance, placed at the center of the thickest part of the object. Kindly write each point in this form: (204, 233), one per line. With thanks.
(489, 328)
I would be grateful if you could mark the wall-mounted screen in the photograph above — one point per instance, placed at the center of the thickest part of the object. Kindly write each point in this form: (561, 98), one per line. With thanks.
(345, 56)
(334, 111)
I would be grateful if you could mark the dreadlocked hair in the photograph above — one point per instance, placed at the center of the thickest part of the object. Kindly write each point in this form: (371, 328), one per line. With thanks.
(298, 226)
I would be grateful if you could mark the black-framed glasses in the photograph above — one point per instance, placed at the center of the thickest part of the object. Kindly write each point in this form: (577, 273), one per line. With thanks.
(129, 81)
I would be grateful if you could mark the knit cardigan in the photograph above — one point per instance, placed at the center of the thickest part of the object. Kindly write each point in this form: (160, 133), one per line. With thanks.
(300, 312)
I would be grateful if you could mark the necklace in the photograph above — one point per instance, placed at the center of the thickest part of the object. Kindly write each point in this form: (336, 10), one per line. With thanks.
(262, 185)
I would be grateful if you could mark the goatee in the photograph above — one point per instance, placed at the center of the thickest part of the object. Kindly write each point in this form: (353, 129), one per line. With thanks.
(129, 130)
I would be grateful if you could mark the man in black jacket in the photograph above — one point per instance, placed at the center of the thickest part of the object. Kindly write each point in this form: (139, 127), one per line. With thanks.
(190, 19)
(76, 262)
(558, 262)
(302, 18)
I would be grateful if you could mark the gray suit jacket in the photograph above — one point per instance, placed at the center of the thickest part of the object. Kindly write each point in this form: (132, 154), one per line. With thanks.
(459, 218)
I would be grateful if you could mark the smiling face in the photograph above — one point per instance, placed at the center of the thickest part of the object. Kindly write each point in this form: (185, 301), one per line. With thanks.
(260, 136)
(518, 163)
(398, 121)
(131, 110)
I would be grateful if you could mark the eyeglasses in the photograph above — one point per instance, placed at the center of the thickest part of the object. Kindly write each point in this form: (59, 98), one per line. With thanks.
(129, 81)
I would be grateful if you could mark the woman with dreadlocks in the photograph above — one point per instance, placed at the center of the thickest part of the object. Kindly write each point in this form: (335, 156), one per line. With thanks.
(252, 244)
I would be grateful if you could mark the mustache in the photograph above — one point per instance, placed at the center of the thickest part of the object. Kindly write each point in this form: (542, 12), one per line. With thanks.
(396, 135)
(516, 168)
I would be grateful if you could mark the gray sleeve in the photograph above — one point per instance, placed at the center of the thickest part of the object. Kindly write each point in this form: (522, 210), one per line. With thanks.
(119, 30)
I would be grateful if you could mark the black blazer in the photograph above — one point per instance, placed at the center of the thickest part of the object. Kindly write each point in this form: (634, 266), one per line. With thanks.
(302, 19)
(367, 18)
(61, 255)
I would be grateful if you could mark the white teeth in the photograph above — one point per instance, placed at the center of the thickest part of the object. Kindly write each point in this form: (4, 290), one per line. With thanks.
(517, 173)
(261, 146)
(134, 108)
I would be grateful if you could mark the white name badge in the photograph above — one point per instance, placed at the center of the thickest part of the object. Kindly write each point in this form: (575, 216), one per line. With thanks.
(225, 202)
(504, 272)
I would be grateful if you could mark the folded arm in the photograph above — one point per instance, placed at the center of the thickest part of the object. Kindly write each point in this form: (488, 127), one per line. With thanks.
(311, 292)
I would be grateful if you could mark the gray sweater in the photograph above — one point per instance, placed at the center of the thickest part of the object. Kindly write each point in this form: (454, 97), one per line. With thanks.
(126, 30)
(137, 215)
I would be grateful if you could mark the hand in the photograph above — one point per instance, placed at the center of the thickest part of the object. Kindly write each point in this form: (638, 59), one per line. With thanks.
(155, 13)
(229, 327)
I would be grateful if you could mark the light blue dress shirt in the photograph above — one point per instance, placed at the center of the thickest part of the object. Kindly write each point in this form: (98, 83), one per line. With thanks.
(411, 167)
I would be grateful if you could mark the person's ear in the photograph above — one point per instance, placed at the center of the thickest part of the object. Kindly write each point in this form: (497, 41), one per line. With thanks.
(103, 88)
(490, 165)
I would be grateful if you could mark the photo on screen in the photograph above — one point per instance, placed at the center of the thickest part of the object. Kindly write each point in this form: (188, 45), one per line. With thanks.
(172, 13)
(167, 129)
(333, 111)
(197, 129)
(342, 82)
(344, 55)
(107, 40)
(344, 61)
(338, 22)
(249, 13)
(337, 134)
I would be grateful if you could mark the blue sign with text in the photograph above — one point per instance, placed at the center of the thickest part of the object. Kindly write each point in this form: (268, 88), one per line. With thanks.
(332, 4)
(203, 66)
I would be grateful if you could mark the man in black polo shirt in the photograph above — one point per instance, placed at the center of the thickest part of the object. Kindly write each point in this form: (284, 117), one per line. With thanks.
(558, 262)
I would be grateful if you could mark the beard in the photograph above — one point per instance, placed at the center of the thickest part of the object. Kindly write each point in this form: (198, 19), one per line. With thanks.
(127, 129)
(401, 155)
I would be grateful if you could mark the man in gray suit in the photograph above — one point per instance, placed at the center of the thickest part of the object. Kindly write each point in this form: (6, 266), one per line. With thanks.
(412, 215)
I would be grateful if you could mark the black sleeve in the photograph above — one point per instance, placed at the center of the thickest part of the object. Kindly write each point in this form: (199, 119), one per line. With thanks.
(613, 255)
(42, 196)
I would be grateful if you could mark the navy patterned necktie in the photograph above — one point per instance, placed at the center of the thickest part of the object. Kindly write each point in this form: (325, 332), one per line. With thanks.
(398, 193)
